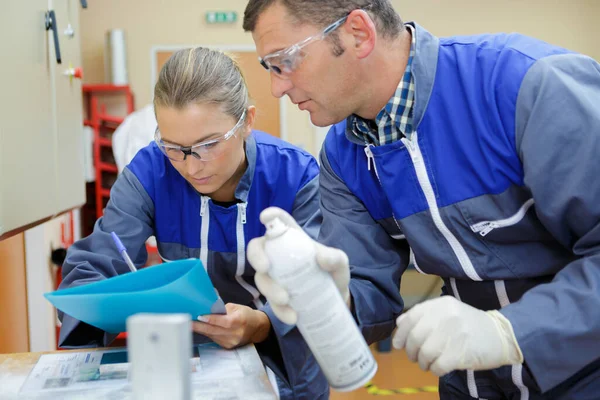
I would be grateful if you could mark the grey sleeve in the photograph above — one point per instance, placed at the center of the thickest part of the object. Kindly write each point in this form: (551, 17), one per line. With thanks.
(307, 211)
(129, 214)
(557, 325)
(376, 260)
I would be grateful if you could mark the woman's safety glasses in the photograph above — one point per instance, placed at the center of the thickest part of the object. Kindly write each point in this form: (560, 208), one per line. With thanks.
(284, 62)
(205, 151)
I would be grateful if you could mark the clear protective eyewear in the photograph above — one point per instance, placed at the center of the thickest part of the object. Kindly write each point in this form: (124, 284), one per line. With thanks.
(283, 62)
(205, 151)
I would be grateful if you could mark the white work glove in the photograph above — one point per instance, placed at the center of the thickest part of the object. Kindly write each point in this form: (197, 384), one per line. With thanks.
(332, 260)
(444, 335)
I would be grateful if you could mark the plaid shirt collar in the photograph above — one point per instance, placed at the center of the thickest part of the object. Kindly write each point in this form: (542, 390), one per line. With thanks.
(395, 120)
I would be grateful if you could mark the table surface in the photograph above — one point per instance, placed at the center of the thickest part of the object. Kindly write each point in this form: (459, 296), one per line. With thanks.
(15, 368)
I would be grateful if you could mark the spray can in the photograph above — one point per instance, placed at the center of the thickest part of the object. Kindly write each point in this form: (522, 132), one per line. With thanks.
(323, 316)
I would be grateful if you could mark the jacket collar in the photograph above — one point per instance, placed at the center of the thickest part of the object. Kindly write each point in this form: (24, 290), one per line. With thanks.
(424, 68)
(243, 187)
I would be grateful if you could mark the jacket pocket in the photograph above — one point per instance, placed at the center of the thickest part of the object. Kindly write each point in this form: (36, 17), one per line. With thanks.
(485, 227)
(507, 235)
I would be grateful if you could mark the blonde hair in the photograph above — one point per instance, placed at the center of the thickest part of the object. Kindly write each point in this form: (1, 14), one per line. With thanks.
(200, 75)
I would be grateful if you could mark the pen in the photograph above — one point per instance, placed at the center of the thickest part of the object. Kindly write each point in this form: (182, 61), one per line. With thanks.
(123, 252)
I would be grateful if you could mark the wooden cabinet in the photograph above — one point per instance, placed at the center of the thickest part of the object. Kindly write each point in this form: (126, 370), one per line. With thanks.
(14, 333)
(41, 167)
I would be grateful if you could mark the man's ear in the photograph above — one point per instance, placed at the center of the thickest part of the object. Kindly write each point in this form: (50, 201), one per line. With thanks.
(363, 31)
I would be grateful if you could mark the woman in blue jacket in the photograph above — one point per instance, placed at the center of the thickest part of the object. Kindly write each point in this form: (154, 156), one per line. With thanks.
(199, 189)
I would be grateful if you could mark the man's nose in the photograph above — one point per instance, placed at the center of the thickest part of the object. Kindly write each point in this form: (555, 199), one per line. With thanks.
(279, 86)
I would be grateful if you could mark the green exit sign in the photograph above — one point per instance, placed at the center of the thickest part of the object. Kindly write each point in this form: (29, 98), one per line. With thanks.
(221, 17)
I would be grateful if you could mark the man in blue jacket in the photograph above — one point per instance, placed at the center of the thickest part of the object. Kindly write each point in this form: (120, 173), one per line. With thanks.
(476, 159)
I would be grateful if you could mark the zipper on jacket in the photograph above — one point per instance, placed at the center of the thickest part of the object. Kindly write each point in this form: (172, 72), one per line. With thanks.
(414, 151)
(241, 255)
(205, 221)
(485, 227)
(203, 205)
(371, 159)
(242, 209)
(369, 155)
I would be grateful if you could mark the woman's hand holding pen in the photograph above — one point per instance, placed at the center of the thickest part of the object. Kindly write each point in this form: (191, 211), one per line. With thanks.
(241, 325)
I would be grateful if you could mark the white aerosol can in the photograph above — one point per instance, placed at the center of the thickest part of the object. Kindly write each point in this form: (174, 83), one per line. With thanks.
(323, 316)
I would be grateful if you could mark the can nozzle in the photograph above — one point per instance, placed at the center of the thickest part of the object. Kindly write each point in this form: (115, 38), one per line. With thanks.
(275, 228)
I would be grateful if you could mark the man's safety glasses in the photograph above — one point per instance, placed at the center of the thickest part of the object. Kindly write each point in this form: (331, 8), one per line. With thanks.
(283, 62)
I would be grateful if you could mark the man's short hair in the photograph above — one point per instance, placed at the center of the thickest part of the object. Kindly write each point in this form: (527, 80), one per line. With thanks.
(324, 12)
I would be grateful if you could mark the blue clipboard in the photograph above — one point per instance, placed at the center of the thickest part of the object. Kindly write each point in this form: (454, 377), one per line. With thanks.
(181, 286)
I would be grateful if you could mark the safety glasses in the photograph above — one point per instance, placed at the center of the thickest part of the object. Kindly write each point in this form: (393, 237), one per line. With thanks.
(283, 62)
(205, 151)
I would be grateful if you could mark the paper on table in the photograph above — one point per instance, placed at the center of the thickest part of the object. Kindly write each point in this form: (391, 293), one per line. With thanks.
(102, 374)
(181, 286)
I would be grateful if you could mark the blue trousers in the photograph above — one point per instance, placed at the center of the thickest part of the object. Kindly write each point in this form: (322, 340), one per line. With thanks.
(499, 384)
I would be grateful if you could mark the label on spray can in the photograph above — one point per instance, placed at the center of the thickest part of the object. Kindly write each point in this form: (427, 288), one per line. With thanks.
(323, 317)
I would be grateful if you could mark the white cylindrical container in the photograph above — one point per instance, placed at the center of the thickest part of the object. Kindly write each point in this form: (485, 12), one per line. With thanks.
(115, 57)
(323, 316)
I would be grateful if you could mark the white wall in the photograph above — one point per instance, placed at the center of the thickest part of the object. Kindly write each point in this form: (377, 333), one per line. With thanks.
(572, 24)
(39, 243)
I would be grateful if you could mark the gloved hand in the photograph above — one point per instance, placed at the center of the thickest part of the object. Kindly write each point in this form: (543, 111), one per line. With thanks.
(444, 335)
(329, 259)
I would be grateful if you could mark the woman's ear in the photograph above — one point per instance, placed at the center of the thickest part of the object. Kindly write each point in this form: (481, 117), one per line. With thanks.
(250, 118)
